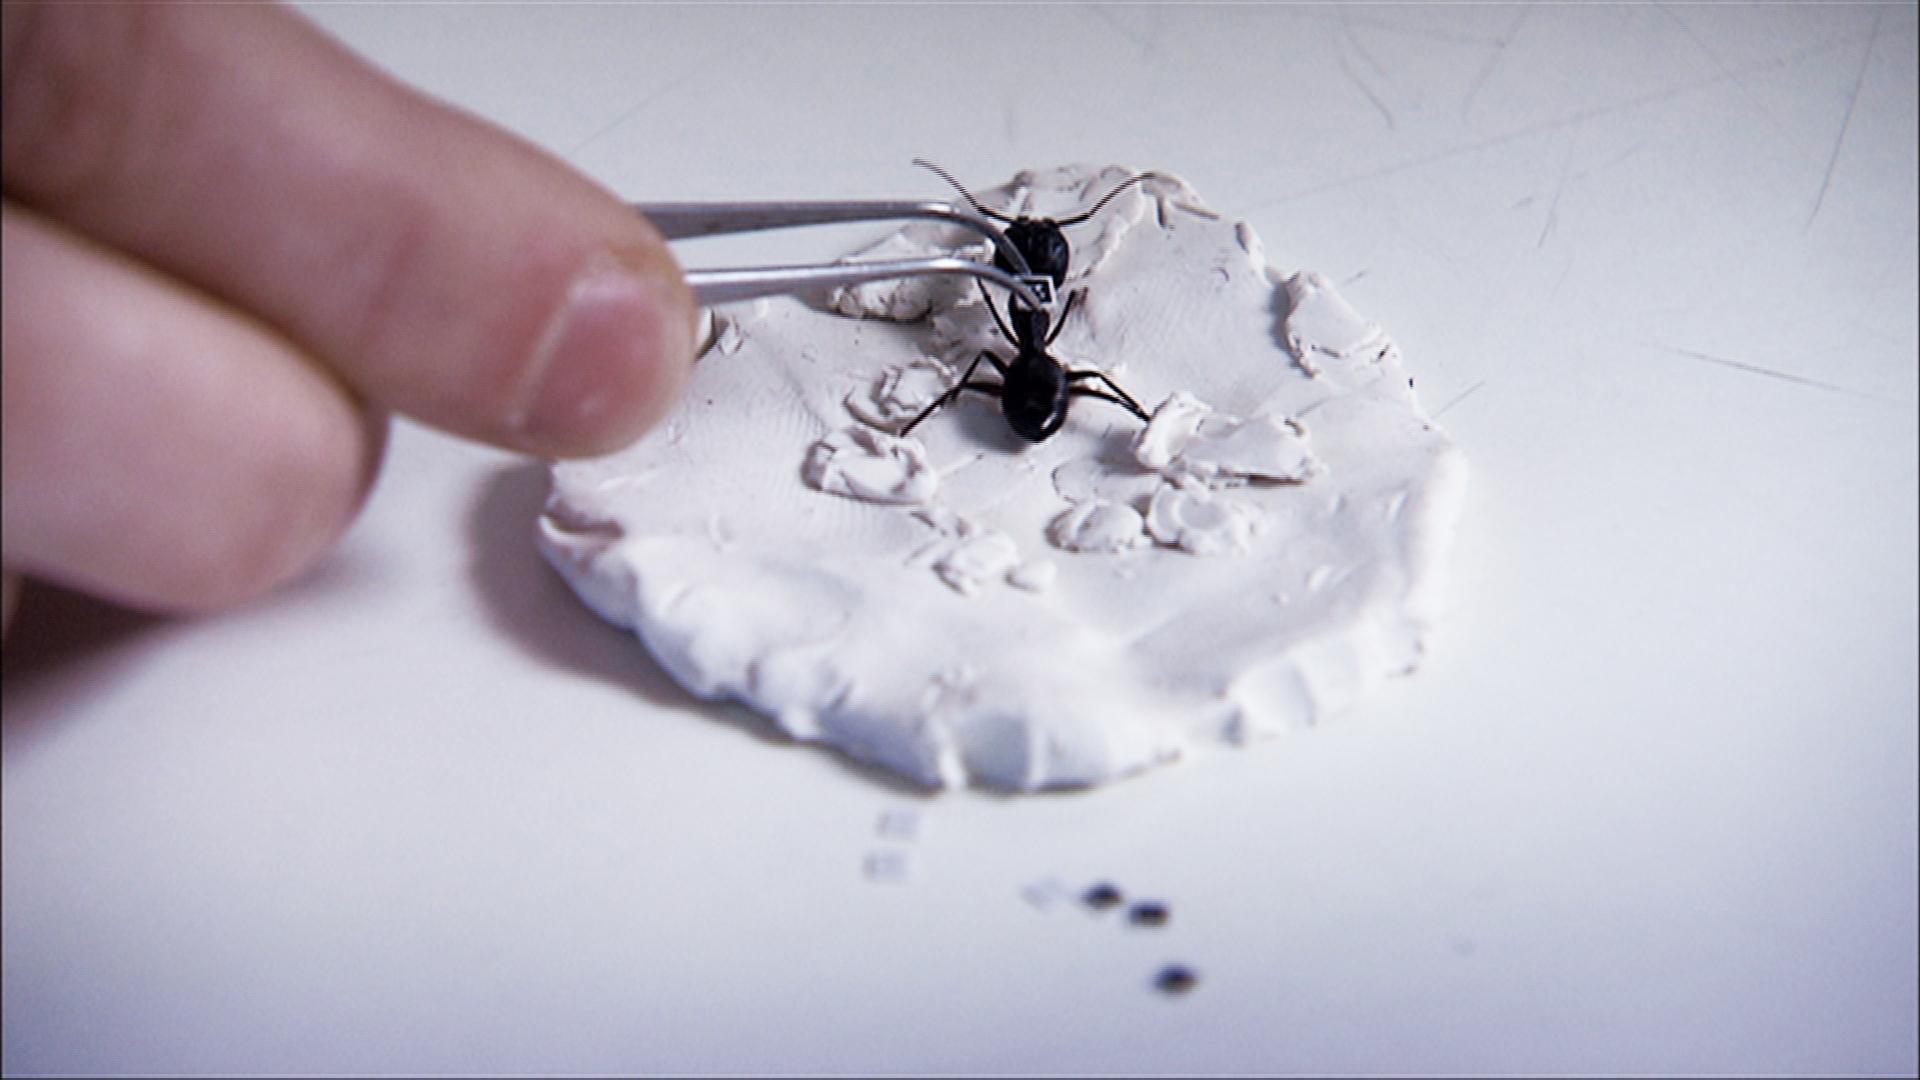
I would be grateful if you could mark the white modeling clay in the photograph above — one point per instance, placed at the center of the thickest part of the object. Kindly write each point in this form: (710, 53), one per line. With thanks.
(1099, 526)
(899, 394)
(981, 557)
(1185, 514)
(963, 606)
(1033, 576)
(1321, 323)
(1187, 437)
(862, 463)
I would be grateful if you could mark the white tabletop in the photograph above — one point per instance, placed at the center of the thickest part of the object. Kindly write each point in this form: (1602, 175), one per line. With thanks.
(1650, 804)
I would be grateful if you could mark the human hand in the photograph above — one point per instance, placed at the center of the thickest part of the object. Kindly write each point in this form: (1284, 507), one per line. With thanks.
(231, 247)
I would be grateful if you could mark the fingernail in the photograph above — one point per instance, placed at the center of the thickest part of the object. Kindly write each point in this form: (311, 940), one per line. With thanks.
(612, 362)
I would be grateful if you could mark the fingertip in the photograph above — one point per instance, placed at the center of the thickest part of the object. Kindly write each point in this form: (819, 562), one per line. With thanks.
(9, 599)
(614, 358)
(313, 481)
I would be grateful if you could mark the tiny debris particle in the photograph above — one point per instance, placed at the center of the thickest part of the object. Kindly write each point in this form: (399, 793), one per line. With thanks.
(1045, 893)
(898, 824)
(891, 867)
(1176, 979)
(1148, 913)
(1102, 896)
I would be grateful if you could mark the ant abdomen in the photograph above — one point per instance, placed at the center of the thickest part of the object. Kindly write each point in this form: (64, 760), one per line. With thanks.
(1033, 396)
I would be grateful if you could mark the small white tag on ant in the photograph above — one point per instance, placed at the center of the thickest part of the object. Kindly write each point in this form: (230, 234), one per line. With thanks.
(1042, 287)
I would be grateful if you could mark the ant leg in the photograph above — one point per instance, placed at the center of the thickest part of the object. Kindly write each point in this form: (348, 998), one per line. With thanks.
(999, 365)
(966, 383)
(1124, 398)
(938, 404)
(1072, 298)
(995, 312)
(1125, 403)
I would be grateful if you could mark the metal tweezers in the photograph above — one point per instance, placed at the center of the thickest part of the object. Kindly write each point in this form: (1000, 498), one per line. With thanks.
(685, 220)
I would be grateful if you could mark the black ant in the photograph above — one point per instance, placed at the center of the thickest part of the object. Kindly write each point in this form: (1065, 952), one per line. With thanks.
(1034, 389)
(1039, 240)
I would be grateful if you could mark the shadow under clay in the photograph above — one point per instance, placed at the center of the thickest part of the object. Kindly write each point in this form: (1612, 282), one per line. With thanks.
(528, 601)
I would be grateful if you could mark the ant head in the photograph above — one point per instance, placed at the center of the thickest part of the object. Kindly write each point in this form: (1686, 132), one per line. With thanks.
(1042, 244)
(1039, 240)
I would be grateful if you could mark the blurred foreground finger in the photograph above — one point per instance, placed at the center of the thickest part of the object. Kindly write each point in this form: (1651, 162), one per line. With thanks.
(159, 450)
(445, 268)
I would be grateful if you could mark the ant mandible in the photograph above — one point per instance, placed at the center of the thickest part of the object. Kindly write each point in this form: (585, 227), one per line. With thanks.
(1034, 388)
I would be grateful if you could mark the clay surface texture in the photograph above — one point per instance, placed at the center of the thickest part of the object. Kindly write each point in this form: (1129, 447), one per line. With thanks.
(961, 606)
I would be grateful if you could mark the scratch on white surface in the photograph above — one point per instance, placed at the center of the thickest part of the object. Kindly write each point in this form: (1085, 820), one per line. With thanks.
(1620, 158)
(1853, 99)
(703, 63)
(1425, 33)
(1346, 68)
(1499, 53)
(1458, 398)
(1559, 188)
(1353, 38)
(1561, 281)
(1771, 373)
(1577, 117)
(1140, 41)
(1721, 66)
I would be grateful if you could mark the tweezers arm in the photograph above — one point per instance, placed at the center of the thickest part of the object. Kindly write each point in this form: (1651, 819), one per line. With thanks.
(685, 220)
(723, 286)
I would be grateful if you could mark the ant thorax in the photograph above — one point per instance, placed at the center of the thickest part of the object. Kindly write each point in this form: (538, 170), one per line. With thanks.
(1028, 325)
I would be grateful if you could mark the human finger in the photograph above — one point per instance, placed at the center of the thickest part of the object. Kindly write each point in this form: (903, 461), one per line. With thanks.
(444, 267)
(157, 449)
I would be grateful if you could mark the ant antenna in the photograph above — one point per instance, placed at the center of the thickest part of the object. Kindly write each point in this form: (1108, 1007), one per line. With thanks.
(1097, 207)
(971, 201)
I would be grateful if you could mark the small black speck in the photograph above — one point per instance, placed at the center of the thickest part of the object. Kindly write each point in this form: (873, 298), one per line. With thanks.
(1102, 896)
(1176, 979)
(1148, 913)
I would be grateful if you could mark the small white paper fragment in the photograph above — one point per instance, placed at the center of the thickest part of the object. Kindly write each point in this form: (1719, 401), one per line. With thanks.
(900, 823)
(1046, 893)
(890, 866)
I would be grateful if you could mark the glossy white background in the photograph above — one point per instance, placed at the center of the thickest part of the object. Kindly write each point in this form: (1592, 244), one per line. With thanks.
(1650, 805)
